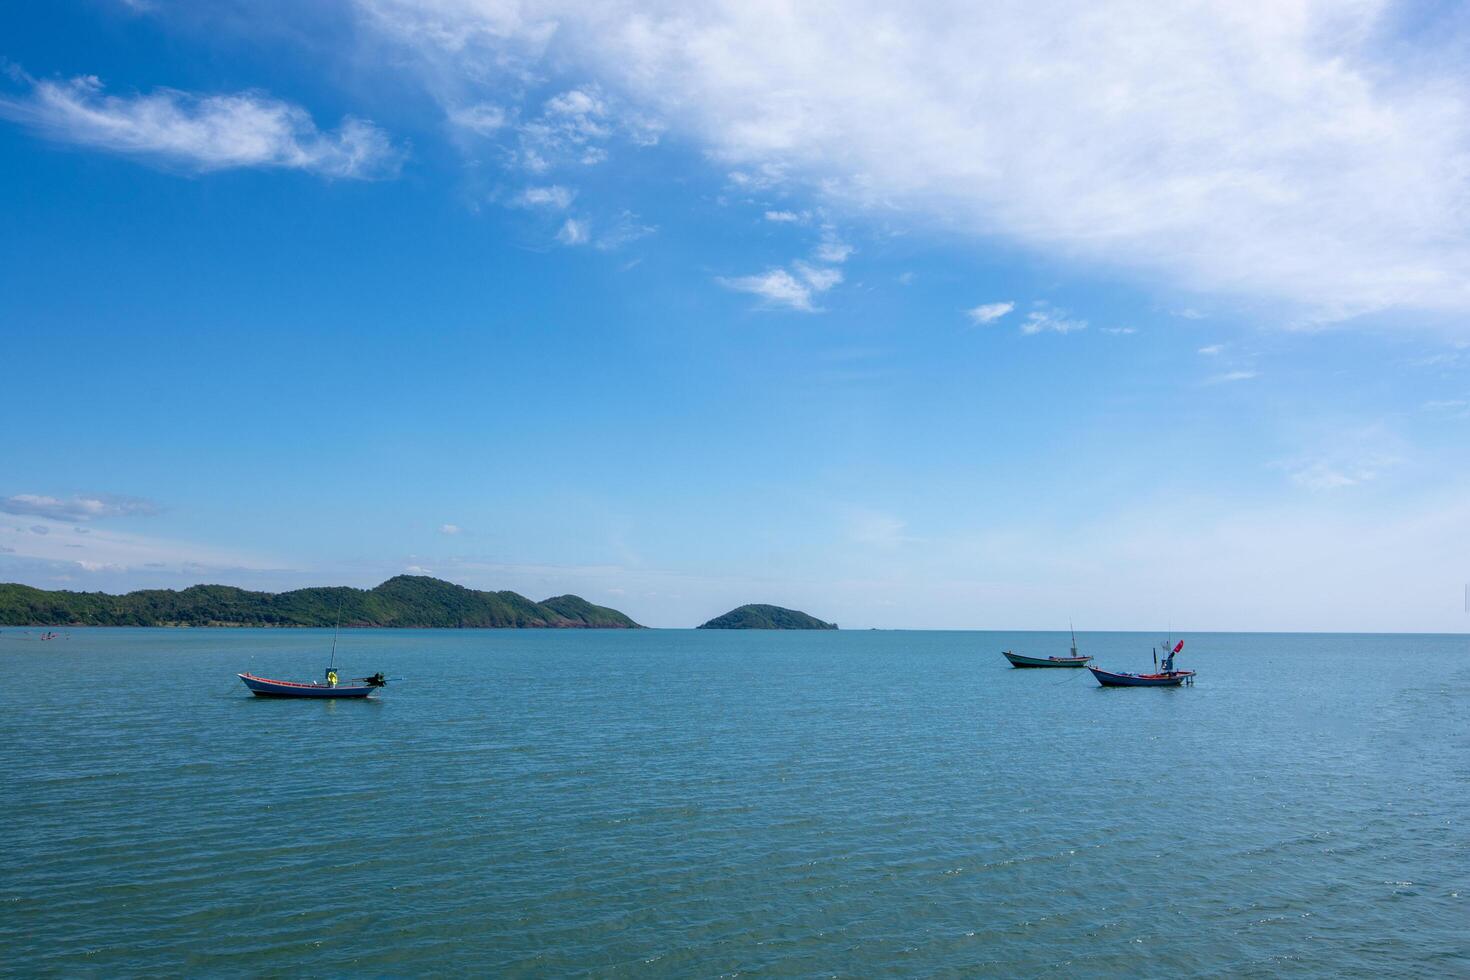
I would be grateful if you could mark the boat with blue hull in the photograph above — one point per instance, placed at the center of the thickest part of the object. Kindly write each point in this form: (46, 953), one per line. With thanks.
(1173, 678)
(327, 687)
(357, 687)
(1165, 677)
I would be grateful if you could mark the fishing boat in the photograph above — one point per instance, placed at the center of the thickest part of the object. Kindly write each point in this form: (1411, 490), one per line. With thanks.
(356, 687)
(1017, 660)
(327, 687)
(1167, 677)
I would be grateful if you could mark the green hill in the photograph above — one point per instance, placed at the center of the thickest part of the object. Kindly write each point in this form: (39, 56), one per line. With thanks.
(759, 617)
(404, 601)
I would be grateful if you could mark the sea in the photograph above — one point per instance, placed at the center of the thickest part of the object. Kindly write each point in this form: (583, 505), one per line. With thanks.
(676, 803)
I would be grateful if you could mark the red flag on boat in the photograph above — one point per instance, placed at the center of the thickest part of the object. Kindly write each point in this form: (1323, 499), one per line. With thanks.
(1179, 647)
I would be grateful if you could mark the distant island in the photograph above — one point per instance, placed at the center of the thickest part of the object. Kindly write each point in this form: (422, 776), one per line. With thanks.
(759, 617)
(407, 601)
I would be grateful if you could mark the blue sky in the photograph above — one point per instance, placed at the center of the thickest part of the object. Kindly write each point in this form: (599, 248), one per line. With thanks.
(973, 318)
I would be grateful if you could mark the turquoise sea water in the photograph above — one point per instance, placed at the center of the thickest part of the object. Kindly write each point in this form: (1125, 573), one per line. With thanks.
(705, 803)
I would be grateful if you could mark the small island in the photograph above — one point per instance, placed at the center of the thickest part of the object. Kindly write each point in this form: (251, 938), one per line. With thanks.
(406, 601)
(761, 617)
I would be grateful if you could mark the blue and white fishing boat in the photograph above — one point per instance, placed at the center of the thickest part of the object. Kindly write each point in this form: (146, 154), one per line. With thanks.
(1167, 677)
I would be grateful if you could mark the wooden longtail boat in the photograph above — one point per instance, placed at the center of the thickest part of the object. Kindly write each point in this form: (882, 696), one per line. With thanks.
(1172, 678)
(1019, 661)
(265, 687)
(1167, 677)
(327, 687)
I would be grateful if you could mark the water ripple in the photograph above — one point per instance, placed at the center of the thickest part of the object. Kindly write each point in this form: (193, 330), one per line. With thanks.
(673, 803)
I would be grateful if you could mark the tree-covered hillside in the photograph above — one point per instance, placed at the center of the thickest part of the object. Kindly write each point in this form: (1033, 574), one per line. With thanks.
(406, 601)
(759, 617)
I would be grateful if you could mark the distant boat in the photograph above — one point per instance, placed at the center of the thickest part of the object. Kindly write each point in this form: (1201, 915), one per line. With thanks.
(357, 687)
(1167, 677)
(1017, 660)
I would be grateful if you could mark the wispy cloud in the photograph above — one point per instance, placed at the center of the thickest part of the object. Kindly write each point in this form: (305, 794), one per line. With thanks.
(989, 312)
(875, 528)
(110, 550)
(1452, 407)
(621, 229)
(1120, 331)
(794, 290)
(450, 529)
(1229, 377)
(1051, 321)
(574, 231)
(1212, 350)
(203, 132)
(81, 508)
(482, 118)
(554, 197)
(1335, 474)
(573, 127)
(782, 216)
(834, 250)
(1347, 456)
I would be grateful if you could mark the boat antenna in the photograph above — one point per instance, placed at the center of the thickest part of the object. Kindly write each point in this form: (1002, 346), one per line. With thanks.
(1074, 637)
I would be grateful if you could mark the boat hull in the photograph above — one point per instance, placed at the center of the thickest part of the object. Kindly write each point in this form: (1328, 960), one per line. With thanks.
(1108, 678)
(265, 687)
(1019, 661)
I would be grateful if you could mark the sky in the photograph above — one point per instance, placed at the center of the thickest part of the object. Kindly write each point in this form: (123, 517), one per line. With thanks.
(945, 315)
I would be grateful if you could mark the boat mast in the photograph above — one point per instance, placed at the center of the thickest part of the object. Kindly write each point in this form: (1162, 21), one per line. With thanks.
(335, 630)
(1074, 637)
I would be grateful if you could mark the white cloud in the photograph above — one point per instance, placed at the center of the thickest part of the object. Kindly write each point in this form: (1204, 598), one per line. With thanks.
(794, 290)
(1328, 474)
(818, 278)
(776, 286)
(482, 118)
(1051, 321)
(622, 229)
(581, 109)
(875, 528)
(574, 231)
(1231, 376)
(555, 197)
(1212, 350)
(114, 550)
(989, 312)
(417, 570)
(204, 132)
(1291, 150)
(1453, 407)
(1120, 331)
(84, 508)
(834, 251)
(782, 216)
(571, 128)
(450, 529)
